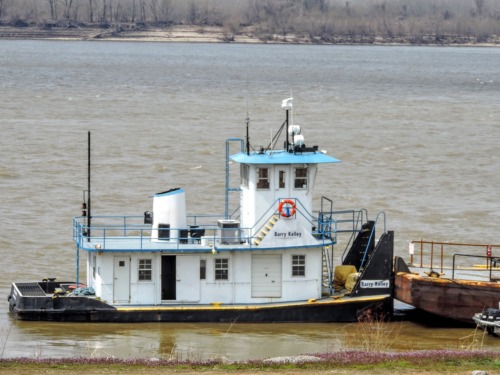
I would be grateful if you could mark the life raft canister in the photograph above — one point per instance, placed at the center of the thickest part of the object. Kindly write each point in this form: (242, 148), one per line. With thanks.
(287, 208)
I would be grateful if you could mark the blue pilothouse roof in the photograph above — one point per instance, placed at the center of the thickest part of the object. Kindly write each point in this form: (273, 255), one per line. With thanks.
(283, 157)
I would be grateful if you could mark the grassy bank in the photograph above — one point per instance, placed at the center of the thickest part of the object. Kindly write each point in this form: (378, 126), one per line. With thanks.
(354, 362)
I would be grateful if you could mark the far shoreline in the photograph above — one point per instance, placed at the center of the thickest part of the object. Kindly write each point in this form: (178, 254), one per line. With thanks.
(214, 34)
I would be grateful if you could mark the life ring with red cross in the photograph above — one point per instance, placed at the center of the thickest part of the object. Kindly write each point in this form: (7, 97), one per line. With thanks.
(287, 208)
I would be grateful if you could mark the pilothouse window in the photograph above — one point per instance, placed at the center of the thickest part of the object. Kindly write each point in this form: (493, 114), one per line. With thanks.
(282, 180)
(300, 178)
(262, 178)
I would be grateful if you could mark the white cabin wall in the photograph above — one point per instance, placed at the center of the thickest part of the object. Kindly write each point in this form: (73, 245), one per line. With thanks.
(141, 292)
(236, 290)
(218, 291)
(303, 287)
(247, 213)
(242, 277)
(254, 202)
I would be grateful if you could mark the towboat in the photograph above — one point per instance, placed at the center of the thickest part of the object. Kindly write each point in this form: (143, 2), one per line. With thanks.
(274, 258)
(450, 281)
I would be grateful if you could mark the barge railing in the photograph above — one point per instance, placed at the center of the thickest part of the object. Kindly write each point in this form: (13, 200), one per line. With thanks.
(454, 256)
(492, 264)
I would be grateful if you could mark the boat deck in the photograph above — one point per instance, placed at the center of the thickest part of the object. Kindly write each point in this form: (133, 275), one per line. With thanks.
(29, 301)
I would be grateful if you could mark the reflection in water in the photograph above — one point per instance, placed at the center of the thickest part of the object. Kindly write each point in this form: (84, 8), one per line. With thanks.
(184, 341)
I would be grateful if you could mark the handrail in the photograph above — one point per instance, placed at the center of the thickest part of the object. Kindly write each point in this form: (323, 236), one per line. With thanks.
(371, 238)
(444, 251)
(313, 219)
(144, 236)
(119, 226)
(490, 261)
(358, 218)
(326, 225)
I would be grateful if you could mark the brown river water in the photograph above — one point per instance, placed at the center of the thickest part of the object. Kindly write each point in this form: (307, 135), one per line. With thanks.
(417, 130)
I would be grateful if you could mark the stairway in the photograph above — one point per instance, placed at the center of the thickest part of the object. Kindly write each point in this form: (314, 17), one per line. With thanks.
(362, 247)
(327, 273)
(265, 230)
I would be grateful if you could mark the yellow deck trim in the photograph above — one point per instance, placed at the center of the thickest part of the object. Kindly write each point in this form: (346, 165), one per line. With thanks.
(221, 306)
(484, 266)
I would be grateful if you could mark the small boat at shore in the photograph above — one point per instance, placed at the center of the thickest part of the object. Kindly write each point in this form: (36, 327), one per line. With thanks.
(488, 320)
(274, 258)
(450, 281)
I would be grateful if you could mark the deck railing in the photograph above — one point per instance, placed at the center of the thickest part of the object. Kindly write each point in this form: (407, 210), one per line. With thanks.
(442, 256)
(324, 226)
(105, 228)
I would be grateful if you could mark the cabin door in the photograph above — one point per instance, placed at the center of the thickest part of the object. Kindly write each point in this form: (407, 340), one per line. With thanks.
(188, 278)
(121, 282)
(168, 278)
(266, 275)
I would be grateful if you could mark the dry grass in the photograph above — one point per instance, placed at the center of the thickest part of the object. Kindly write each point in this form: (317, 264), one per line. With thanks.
(372, 333)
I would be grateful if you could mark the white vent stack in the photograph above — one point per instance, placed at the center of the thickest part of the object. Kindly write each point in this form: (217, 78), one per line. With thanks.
(169, 216)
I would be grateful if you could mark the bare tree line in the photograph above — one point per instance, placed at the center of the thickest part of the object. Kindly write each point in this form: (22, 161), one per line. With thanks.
(318, 20)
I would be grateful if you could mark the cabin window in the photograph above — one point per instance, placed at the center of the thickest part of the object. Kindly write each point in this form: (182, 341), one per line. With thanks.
(282, 176)
(298, 265)
(262, 178)
(203, 269)
(145, 270)
(222, 269)
(94, 262)
(300, 178)
(245, 174)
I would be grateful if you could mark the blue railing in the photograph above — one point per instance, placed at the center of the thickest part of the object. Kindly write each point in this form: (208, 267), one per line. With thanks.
(105, 228)
(371, 238)
(324, 226)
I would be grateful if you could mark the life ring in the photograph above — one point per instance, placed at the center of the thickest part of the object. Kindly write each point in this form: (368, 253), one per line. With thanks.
(287, 211)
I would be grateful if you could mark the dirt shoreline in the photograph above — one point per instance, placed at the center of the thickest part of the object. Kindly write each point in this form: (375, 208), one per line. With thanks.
(213, 34)
(186, 34)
